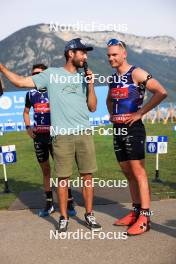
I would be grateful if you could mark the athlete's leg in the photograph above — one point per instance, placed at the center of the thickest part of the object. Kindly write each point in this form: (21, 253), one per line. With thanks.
(130, 218)
(122, 158)
(42, 150)
(133, 185)
(70, 206)
(139, 173)
(49, 208)
(46, 170)
(42, 154)
(143, 221)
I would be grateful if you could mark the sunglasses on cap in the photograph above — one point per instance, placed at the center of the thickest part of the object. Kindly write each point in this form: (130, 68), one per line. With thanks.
(115, 42)
(34, 73)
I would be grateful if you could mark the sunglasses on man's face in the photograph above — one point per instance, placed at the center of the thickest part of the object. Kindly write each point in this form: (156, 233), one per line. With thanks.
(115, 42)
(34, 73)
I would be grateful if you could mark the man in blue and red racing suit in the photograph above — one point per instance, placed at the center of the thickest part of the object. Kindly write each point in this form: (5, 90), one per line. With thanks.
(124, 102)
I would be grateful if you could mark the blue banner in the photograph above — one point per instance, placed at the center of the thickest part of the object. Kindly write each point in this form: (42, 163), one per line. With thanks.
(12, 106)
(11, 111)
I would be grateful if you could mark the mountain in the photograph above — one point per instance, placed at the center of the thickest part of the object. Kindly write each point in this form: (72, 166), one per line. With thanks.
(38, 43)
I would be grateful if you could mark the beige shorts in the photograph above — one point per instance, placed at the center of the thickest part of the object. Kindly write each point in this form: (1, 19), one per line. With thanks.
(67, 148)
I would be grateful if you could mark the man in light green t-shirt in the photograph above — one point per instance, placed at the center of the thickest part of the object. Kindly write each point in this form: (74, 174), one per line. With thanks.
(71, 98)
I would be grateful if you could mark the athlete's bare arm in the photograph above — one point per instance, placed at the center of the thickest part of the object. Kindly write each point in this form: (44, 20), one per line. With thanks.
(17, 80)
(109, 103)
(27, 122)
(153, 86)
(26, 116)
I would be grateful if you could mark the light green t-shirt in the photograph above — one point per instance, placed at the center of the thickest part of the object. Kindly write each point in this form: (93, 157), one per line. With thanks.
(67, 94)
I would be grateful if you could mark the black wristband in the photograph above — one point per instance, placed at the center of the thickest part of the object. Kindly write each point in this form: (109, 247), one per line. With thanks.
(28, 127)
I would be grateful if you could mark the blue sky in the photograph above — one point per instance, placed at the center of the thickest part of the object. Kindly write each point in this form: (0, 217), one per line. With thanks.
(143, 18)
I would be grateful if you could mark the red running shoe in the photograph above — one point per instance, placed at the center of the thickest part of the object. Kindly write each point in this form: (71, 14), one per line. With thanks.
(127, 220)
(141, 226)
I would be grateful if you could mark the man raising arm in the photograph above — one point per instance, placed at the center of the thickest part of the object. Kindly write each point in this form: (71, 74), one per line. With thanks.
(17, 80)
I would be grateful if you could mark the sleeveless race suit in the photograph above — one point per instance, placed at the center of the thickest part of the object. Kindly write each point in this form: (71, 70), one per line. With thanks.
(40, 103)
(127, 98)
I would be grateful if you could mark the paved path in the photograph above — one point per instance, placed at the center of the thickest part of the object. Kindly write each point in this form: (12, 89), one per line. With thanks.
(25, 238)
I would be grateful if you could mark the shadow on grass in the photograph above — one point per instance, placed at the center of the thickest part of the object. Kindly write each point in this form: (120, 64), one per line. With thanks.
(164, 189)
(170, 184)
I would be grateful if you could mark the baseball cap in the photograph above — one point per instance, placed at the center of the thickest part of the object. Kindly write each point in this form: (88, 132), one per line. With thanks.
(77, 44)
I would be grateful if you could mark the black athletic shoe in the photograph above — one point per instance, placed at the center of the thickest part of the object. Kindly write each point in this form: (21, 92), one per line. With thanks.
(62, 225)
(91, 222)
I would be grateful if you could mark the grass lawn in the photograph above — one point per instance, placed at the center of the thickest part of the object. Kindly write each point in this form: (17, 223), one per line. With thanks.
(26, 174)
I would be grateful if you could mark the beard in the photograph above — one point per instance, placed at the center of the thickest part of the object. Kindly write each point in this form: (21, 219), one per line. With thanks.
(77, 63)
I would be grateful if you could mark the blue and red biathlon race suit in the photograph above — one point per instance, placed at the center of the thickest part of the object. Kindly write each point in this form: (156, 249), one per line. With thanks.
(127, 98)
(38, 99)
